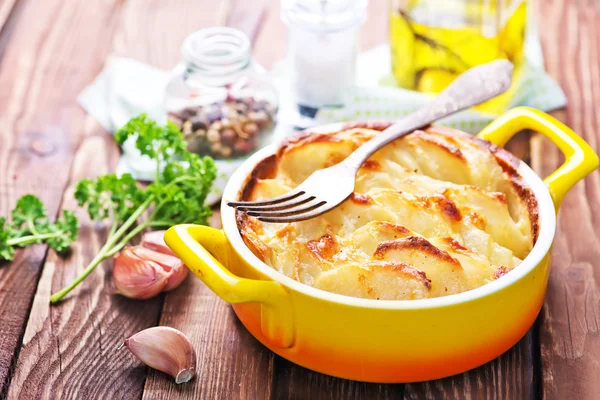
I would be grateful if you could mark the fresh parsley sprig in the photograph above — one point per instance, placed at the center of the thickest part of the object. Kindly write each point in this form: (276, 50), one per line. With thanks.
(177, 195)
(30, 225)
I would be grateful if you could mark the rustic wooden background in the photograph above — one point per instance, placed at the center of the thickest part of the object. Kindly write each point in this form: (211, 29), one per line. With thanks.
(51, 49)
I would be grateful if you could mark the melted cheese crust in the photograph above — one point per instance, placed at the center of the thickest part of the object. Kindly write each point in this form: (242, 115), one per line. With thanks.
(434, 213)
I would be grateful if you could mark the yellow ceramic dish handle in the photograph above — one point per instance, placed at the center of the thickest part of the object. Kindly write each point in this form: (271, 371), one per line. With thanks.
(197, 246)
(580, 159)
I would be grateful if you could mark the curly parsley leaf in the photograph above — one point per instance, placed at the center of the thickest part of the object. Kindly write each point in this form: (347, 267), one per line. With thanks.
(30, 225)
(65, 230)
(157, 142)
(29, 214)
(109, 196)
(7, 251)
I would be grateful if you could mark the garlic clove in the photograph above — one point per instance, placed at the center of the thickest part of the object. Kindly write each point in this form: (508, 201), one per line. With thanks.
(173, 266)
(166, 261)
(155, 240)
(178, 275)
(165, 349)
(138, 278)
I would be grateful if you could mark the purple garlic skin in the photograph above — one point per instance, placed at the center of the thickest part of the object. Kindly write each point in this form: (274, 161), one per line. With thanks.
(164, 349)
(140, 272)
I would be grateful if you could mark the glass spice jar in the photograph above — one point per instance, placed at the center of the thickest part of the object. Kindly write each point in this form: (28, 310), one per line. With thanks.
(221, 99)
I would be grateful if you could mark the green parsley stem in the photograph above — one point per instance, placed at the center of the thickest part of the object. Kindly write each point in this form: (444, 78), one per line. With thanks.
(113, 227)
(164, 224)
(56, 297)
(126, 239)
(32, 227)
(32, 238)
(139, 228)
(104, 251)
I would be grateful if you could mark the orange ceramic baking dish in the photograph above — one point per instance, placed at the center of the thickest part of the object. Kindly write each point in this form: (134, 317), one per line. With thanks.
(385, 340)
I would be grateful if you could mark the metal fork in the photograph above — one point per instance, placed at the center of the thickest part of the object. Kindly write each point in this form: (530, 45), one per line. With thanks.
(327, 188)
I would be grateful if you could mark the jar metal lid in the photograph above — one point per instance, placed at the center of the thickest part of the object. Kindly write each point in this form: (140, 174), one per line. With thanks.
(324, 15)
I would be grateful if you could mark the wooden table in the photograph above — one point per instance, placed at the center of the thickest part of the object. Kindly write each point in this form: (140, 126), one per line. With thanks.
(51, 49)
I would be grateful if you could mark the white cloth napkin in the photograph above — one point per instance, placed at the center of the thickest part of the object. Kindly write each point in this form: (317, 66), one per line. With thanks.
(126, 88)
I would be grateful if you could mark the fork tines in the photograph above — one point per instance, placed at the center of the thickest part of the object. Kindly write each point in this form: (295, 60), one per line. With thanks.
(293, 206)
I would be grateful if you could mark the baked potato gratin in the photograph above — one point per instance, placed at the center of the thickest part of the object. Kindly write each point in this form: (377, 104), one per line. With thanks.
(434, 213)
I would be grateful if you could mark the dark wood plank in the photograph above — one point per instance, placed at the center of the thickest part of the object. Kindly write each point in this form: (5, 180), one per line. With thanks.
(520, 146)
(248, 17)
(270, 43)
(9, 15)
(231, 363)
(43, 69)
(67, 347)
(70, 350)
(513, 375)
(569, 333)
(18, 281)
(375, 30)
(293, 382)
(153, 31)
(6, 8)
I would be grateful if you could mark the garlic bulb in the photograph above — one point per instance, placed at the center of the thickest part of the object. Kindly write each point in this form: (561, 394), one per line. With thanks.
(141, 273)
(165, 349)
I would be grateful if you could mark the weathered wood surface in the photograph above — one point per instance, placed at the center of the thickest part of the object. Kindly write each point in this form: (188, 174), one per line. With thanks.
(49, 51)
(44, 66)
(570, 323)
(65, 349)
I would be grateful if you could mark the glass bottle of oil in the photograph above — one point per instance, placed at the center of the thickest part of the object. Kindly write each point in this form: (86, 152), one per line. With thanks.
(434, 41)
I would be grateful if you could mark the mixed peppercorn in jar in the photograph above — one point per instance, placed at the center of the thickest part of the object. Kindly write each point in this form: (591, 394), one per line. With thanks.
(230, 128)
